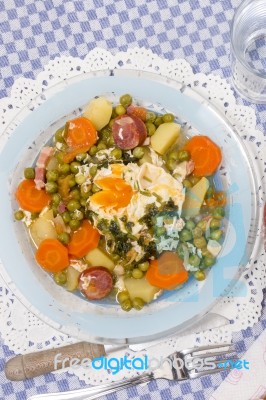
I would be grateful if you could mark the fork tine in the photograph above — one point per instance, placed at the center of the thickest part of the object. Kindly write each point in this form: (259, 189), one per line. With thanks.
(203, 348)
(217, 353)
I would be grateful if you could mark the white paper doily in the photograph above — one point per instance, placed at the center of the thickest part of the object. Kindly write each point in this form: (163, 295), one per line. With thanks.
(23, 331)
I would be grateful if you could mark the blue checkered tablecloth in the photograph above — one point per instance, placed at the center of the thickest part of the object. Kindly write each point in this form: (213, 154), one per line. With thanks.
(33, 32)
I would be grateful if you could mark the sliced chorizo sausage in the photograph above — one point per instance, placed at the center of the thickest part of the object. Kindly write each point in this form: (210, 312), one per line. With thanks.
(128, 132)
(95, 283)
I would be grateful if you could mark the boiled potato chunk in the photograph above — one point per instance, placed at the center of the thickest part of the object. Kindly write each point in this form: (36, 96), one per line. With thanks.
(98, 257)
(165, 136)
(72, 278)
(140, 288)
(99, 112)
(194, 198)
(43, 228)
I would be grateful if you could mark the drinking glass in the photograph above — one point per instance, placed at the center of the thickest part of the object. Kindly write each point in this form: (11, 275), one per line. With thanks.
(248, 50)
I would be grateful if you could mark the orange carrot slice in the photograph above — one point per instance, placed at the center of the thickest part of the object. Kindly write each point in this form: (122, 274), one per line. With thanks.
(52, 255)
(167, 271)
(80, 132)
(80, 135)
(30, 198)
(83, 240)
(206, 155)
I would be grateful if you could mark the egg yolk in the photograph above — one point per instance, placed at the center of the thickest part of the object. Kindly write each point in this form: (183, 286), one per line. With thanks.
(115, 193)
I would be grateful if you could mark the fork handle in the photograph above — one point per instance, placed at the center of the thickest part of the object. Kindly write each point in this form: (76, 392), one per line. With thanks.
(42, 362)
(94, 392)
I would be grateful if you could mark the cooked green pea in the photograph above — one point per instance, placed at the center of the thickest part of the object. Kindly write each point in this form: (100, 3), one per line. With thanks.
(64, 237)
(181, 250)
(174, 155)
(120, 110)
(151, 128)
(144, 266)
(217, 234)
(160, 231)
(190, 224)
(93, 150)
(51, 187)
(125, 100)
(56, 199)
(78, 215)
(105, 134)
(208, 261)
(59, 135)
(73, 205)
(74, 167)
(187, 184)
(95, 188)
(111, 122)
(111, 141)
(122, 296)
(197, 232)
(52, 175)
(116, 153)
(85, 191)
(194, 260)
(150, 116)
(137, 273)
(126, 305)
(158, 121)
(101, 146)
(138, 152)
(128, 274)
(138, 303)
(215, 223)
(185, 235)
(60, 277)
(93, 170)
(205, 251)
(171, 164)
(183, 155)
(202, 224)
(218, 212)
(19, 215)
(83, 202)
(79, 179)
(64, 169)
(200, 275)
(200, 242)
(81, 157)
(168, 117)
(72, 181)
(74, 224)
(74, 194)
(66, 217)
(60, 157)
(29, 173)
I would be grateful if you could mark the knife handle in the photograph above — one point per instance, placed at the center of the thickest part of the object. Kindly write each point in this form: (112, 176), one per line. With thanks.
(41, 362)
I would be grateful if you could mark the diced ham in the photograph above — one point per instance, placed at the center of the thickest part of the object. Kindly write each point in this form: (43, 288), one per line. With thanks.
(41, 164)
(44, 156)
(39, 178)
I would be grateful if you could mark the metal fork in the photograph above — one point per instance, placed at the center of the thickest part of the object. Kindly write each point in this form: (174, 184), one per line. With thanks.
(179, 366)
